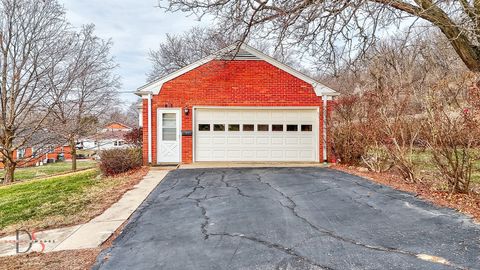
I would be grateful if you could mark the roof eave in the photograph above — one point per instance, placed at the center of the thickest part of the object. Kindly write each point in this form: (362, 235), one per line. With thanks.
(143, 93)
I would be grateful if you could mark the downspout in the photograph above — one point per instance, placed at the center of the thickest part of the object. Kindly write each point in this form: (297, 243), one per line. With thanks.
(149, 124)
(325, 159)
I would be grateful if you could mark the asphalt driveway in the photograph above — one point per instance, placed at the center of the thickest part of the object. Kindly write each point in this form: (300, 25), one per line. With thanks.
(289, 218)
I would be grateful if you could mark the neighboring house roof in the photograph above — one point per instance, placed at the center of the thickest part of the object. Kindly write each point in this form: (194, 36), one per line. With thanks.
(111, 131)
(235, 52)
(108, 135)
(116, 125)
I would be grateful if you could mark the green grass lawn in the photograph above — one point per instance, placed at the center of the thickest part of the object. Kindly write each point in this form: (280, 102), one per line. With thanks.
(49, 169)
(37, 199)
(424, 160)
(60, 200)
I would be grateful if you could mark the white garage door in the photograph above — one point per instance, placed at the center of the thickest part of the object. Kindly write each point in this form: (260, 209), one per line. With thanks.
(256, 134)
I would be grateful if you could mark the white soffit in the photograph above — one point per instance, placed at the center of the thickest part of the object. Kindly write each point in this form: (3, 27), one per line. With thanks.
(232, 52)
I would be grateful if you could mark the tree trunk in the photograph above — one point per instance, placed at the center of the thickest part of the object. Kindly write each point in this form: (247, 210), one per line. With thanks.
(9, 171)
(468, 53)
(73, 152)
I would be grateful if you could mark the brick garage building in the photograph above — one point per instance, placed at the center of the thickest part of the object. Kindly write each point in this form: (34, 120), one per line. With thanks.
(235, 105)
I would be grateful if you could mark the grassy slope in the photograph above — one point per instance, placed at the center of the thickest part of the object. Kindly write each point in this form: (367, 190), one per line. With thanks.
(38, 199)
(61, 200)
(49, 169)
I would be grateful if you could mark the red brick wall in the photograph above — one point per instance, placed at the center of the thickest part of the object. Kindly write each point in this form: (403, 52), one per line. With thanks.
(28, 160)
(228, 83)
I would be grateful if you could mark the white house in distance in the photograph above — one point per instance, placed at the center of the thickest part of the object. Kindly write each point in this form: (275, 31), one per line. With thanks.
(109, 137)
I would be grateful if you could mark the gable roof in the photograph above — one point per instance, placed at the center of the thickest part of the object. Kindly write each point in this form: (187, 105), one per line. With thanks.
(242, 52)
(116, 125)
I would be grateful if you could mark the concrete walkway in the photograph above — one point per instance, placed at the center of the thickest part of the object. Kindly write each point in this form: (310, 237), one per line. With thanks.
(96, 231)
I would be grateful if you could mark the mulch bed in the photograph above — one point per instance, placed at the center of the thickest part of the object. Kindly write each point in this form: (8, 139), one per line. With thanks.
(69, 259)
(468, 204)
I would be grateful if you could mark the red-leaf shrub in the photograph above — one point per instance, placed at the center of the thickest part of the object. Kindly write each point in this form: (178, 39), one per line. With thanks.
(135, 137)
(117, 161)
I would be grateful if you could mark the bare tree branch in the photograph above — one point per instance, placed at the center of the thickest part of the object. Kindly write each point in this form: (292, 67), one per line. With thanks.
(338, 31)
(85, 86)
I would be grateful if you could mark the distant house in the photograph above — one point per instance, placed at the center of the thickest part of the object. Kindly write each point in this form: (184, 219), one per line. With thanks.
(115, 127)
(109, 137)
(30, 156)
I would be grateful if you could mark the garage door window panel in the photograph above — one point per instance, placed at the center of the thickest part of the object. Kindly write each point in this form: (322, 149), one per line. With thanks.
(262, 127)
(277, 127)
(204, 127)
(248, 127)
(218, 127)
(292, 127)
(307, 128)
(233, 127)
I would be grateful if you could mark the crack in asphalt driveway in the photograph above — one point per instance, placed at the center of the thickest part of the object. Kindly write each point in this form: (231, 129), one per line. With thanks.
(289, 218)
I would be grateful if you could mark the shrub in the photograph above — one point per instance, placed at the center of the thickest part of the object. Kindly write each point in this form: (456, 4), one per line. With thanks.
(354, 128)
(377, 158)
(117, 161)
(135, 137)
(402, 131)
(349, 144)
(454, 136)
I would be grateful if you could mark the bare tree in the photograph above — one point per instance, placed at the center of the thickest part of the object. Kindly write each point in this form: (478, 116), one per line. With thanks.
(127, 116)
(85, 85)
(411, 100)
(178, 51)
(340, 30)
(32, 44)
(133, 113)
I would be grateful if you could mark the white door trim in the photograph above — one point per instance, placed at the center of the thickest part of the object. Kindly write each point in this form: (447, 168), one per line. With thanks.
(178, 112)
(316, 108)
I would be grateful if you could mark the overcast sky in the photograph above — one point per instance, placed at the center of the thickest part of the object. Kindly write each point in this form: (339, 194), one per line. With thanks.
(135, 27)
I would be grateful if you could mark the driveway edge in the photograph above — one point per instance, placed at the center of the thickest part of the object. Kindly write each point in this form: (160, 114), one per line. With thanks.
(95, 232)
(99, 229)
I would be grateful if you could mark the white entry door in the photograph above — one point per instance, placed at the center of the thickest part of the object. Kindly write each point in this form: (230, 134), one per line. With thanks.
(168, 135)
(263, 134)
